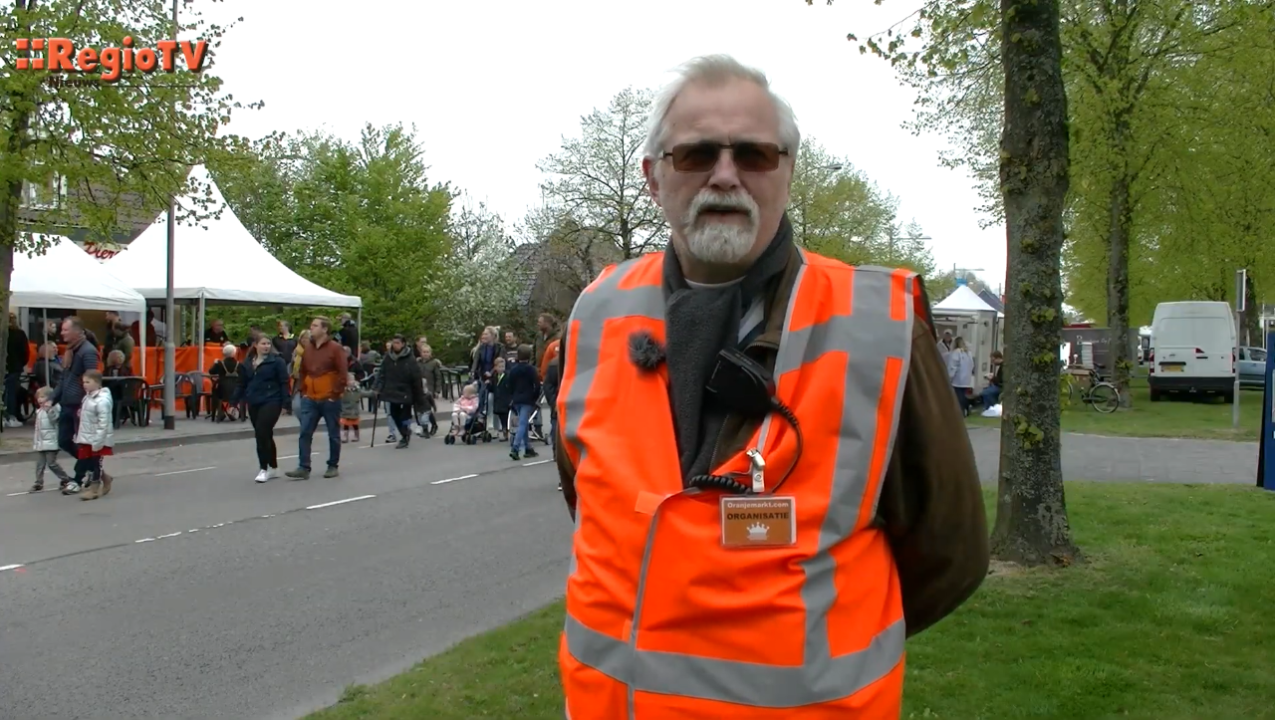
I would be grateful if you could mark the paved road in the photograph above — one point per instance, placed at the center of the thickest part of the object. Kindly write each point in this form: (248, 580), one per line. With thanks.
(270, 608)
(1099, 457)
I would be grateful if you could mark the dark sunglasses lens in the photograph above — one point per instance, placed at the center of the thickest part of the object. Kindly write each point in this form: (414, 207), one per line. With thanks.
(695, 157)
(756, 157)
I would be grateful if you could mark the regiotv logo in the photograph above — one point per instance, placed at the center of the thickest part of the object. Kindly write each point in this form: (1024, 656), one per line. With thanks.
(62, 55)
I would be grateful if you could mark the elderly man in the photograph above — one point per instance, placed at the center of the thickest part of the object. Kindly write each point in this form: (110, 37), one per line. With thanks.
(757, 448)
(81, 357)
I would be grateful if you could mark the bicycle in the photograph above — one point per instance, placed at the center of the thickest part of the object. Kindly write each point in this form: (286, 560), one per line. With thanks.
(1102, 395)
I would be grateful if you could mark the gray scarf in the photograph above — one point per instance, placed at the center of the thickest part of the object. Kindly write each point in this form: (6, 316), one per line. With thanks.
(700, 323)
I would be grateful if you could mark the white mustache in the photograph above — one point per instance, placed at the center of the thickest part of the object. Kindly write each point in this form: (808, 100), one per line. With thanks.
(718, 201)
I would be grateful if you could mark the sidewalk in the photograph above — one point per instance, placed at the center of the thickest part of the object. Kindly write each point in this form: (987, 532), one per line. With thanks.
(15, 443)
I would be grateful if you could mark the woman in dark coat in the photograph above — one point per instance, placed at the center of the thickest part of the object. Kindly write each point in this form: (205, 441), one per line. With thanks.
(263, 385)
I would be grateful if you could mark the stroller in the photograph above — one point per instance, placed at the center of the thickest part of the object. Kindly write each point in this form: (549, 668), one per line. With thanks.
(475, 429)
(511, 422)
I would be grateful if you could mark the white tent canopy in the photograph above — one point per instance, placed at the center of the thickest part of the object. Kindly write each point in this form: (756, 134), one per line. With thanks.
(216, 260)
(67, 277)
(963, 299)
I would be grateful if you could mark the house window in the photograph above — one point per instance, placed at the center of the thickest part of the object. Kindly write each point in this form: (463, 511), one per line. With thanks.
(45, 197)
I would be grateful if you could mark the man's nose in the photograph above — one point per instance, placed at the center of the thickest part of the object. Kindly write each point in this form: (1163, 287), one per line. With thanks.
(725, 173)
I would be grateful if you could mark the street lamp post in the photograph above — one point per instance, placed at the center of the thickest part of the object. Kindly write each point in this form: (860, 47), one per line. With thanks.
(958, 273)
(915, 237)
(170, 350)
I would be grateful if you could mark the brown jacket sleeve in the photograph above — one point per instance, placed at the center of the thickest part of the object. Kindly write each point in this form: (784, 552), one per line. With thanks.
(931, 501)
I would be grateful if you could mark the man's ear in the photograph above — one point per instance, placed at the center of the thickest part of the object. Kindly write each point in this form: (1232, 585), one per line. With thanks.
(652, 182)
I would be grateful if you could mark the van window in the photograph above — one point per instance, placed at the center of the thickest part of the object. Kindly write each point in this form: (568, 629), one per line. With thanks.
(1203, 332)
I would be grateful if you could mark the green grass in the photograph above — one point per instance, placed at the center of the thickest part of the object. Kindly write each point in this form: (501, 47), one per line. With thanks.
(1174, 418)
(1172, 617)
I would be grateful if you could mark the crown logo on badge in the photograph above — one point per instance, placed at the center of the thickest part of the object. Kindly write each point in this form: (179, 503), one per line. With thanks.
(757, 531)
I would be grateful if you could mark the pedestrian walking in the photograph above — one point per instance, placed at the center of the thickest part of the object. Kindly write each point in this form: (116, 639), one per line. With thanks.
(46, 440)
(500, 394)
(294, 366)
(323, 375)
(771, 493)
(482, 361)
(16, 358)
(524, 393)
(80, 358)
(352, 409)
(263, 387)
(432, 379)
(960, 371)
(549, 386)
(400, 386)
(95, 436)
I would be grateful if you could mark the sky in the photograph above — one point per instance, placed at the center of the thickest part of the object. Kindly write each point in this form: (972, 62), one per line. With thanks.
(493, 86)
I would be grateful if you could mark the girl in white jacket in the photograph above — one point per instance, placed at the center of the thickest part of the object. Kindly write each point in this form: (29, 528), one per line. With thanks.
(96, 435)
(46, 440)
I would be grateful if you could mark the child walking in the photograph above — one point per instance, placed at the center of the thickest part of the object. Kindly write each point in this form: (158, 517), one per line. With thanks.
(498, 389)
(46, 440)
(96, 435)
(351, 408)
(524, 394)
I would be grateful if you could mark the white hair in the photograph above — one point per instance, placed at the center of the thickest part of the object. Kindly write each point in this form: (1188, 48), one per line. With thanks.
(715, 70)
(228, 350)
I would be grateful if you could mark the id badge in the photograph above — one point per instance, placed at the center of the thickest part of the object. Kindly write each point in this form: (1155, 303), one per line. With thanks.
(758, 521)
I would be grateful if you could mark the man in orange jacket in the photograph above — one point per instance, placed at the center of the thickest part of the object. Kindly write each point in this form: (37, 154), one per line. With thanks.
(770, 484)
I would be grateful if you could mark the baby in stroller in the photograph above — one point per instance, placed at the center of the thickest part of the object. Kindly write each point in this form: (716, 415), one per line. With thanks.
(464, 421)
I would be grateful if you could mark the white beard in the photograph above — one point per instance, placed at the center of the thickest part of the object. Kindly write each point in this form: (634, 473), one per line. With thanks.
(720, 243)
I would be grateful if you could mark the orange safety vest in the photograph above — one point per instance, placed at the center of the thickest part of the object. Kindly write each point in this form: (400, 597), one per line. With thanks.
(663, 622)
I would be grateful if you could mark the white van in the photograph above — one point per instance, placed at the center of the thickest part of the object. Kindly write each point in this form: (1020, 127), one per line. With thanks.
(1192, 349)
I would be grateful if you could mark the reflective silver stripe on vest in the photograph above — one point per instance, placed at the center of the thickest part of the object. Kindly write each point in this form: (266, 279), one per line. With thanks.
(871, 337)
(603, 300)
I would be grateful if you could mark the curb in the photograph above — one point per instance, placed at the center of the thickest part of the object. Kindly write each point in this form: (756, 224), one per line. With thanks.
(14, 458)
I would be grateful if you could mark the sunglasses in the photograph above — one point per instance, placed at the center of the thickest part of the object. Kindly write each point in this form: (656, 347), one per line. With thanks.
(702, 156)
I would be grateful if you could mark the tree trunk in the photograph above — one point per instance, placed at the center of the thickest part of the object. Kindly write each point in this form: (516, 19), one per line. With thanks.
(626, 238)
(19, 124)
(1121, 217)
(1031, 512)
(1119, 200)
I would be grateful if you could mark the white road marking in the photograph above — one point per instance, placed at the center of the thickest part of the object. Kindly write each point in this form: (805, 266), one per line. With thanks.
(24, 492)
(340, 502)
(462, 477)
(180, 472)
(311, 507)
